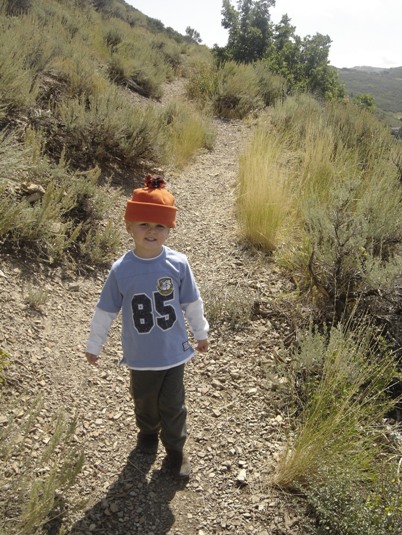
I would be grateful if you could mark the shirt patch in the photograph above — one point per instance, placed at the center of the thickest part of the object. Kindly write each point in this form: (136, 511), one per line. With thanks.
(186, 345)
(165, 286)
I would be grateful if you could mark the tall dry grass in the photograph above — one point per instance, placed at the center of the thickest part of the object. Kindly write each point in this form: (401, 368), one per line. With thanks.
(337, 452)
(184, 132)
(263, 199)
(342, 212)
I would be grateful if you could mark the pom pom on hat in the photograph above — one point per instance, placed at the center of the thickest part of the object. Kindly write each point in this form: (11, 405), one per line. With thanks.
(152, 203)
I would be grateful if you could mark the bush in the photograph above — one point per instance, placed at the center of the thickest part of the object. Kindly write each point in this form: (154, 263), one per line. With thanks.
(18, 7)
(102, 129)
(185, 131)
(336, 455)
(18, 87)
(232, 307)
(343, 506)
(272, 87)
(233, 91)
(340, 228)
(47, 211)
(4, 362)
(202, 84)
(238, 91)
(142, 64)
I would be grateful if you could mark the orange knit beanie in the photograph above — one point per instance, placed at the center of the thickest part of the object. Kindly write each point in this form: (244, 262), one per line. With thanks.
(152, 203)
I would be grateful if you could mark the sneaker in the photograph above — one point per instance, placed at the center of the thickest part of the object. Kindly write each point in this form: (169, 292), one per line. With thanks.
(147, 443)
(179, 463)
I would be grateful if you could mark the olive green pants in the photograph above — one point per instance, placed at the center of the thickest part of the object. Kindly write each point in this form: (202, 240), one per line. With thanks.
(159, 404)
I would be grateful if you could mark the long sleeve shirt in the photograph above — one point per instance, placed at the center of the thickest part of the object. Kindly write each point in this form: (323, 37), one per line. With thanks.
(155, 297)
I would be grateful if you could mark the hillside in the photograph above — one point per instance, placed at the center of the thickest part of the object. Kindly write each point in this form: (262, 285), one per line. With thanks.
(384, 85)
(94, 97)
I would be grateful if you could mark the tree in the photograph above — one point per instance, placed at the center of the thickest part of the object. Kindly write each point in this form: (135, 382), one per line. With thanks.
(249, 28)
(193, 35)
(366, 101)
(320, 78)
(283, 57)
(302, 62)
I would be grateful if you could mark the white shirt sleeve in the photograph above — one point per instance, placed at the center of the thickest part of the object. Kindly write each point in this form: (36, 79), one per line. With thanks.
(100, 326)
(194, 314)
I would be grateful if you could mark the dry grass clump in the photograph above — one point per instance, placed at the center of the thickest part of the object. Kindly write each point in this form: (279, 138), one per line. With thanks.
(71, 126)
(38, 464)
(234, 90)
(263, 192)
(184, 132)
(337, 454)
(334, 181)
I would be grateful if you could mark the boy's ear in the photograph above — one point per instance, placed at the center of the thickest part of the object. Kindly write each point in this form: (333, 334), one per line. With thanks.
(128, 226)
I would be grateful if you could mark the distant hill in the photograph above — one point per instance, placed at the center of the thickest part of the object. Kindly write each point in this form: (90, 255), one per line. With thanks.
(385, 85)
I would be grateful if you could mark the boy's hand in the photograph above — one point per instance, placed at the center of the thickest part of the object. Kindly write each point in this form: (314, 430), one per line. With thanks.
(202, 346)
(92, 359)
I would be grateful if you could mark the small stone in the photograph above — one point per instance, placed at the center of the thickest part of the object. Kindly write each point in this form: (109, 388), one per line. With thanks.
(241, 478)
(114, 508)
(74, 287)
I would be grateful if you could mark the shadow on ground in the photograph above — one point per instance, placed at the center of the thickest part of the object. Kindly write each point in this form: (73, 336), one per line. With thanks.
(135, 504)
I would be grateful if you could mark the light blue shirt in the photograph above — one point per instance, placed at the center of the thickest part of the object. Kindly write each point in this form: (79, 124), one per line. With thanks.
(152, 295)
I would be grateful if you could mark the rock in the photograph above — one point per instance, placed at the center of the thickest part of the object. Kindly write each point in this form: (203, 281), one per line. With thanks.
(241, 478)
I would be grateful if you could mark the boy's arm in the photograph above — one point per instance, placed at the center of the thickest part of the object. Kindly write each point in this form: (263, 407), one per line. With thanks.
(100, 326)
(194, 314)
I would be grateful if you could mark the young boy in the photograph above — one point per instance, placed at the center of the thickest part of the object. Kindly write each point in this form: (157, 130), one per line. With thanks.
(154, 287)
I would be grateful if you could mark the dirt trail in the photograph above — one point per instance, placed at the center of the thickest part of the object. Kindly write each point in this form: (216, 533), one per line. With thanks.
(233, 393)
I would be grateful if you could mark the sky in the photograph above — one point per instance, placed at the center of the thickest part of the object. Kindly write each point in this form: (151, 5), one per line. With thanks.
(363, 32)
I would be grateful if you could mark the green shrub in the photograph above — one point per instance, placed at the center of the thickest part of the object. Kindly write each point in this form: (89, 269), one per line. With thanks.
(272, 87)
(231, 307)
(18, 86)
(233, 90)
(18, 7)
(343, 506)
(78, 78)
(113, 38)
(104, 128)
(36, 297)
(202, 84)
(138, 64)
(169, 50)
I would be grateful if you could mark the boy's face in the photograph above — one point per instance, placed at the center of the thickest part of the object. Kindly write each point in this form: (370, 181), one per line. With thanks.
(148, 237)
